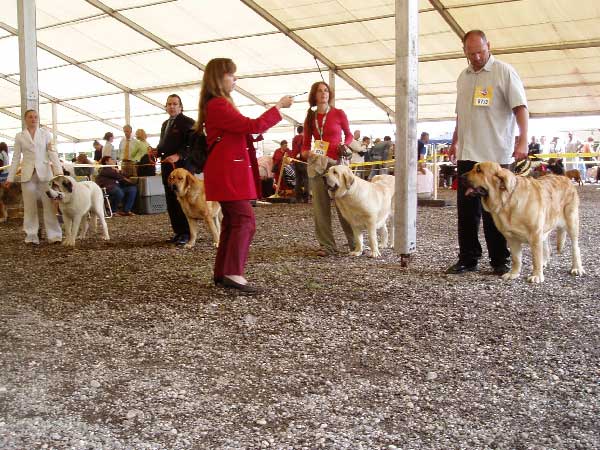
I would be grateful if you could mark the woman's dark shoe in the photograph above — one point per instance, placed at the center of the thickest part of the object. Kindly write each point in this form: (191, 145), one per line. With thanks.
(218, 281)
(245, 288)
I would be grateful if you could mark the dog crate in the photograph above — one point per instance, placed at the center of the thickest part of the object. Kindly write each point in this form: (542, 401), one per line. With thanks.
(151, 195)
(153, 204)
(150, 186)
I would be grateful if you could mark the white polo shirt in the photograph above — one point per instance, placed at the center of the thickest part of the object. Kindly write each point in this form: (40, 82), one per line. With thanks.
(484, 104)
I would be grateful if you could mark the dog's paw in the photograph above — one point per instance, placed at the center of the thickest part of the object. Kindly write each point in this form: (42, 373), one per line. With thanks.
(510, 276)
(106, 238)
(376, 254)
(215, 244)
(535, 278)
(189, 245)
(355, 253)
(69, 243)
(577, 272)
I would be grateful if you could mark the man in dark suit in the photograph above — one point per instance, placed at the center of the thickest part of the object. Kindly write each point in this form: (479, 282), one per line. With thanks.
(173, 138)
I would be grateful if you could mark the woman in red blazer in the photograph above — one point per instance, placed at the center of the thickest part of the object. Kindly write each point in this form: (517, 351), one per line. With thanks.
(231, 171)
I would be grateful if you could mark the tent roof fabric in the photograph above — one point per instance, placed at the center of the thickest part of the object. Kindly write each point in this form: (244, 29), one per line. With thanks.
(92, 51)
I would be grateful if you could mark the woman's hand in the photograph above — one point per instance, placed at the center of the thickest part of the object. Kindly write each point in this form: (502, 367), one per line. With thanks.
(285, 102)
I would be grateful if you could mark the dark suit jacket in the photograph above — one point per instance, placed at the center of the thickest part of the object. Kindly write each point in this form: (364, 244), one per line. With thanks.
(176, 140)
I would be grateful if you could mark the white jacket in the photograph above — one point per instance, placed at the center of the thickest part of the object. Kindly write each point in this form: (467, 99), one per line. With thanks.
(37, 155)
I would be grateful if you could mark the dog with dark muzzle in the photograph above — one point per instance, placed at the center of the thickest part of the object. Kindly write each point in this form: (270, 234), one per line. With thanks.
(526, 210)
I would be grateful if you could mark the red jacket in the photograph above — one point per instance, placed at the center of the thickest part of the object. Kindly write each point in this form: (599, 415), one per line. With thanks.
(231, 170)
(334, 125)
(297, 147)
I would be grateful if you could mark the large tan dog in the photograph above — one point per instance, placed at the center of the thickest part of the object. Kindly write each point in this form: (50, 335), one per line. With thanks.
(191, 197)
(365, 205)
(526, 210)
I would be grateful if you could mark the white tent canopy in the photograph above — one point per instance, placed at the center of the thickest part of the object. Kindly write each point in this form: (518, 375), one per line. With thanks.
(91, 52)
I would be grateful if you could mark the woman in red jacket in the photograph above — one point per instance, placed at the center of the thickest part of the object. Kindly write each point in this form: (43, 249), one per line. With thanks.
(231, 171)
(325, 125)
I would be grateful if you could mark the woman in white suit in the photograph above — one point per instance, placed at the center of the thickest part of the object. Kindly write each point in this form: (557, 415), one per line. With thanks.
(39, 164)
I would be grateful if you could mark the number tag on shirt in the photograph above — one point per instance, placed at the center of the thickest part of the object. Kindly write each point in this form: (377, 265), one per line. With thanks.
(484, 95)
(320, 147)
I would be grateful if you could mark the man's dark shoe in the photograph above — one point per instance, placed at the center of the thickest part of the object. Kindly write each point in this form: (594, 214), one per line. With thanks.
(461, 267)
(183, 239)
(500, 269)
(174, 239)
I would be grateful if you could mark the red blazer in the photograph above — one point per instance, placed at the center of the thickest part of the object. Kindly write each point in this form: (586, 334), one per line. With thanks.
(231, 171)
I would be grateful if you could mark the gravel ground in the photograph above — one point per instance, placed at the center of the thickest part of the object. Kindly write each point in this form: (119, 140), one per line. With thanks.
(126, 345)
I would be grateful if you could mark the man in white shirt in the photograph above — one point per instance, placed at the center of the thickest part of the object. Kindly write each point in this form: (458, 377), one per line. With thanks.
(490, 100)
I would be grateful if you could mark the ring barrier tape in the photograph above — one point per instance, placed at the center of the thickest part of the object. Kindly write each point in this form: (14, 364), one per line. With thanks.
(372, 163)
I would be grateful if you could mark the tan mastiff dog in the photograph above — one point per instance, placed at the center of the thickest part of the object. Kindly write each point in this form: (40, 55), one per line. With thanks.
(191, 197)
(526, 210)
(365, 205)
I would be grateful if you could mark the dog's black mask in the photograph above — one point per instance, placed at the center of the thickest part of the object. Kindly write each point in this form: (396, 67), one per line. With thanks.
(471, 191)
(68, 185)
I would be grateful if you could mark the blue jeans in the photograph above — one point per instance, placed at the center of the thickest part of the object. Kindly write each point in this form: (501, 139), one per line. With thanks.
(125, 194)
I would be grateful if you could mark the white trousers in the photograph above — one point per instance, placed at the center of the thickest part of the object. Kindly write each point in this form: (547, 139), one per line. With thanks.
(33, 190)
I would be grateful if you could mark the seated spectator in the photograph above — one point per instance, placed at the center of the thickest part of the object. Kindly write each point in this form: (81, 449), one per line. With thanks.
(83, 171)
(278, 157)
(119, 188)
(265, 171)
(3, 154)
(447, 172)
(289, 177)
(3, 161)
(424, 182)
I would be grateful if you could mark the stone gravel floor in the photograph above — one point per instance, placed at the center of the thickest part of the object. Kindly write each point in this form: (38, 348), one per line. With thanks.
(126, 345)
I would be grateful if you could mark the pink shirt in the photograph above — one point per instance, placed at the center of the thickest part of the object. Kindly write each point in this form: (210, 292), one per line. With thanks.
(334, 125)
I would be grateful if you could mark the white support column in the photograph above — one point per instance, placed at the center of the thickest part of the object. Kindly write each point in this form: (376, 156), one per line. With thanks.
(405, 220)
(127, 109)
(54, 125)
(332, 84)
(28, 68)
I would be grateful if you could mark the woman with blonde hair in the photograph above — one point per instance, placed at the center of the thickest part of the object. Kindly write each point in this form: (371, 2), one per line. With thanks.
(231, 171)
(324, 124)
(39, 163)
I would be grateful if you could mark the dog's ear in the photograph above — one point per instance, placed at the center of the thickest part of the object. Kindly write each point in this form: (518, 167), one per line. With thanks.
(188, 179)
(348, 178)
(506, 180)
(67, 185)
